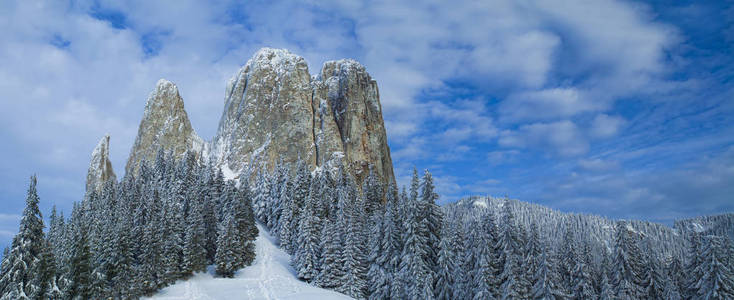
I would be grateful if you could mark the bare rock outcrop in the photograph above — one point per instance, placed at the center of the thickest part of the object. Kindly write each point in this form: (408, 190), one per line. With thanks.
(267, 113)
(165, 125)
(354, 100)
(275, 111)
(100, 168)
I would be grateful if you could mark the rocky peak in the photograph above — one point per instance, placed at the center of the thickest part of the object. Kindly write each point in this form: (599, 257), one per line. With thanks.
(274, 110)
(267, 113)
(354, 100)
(100, 167)
(165, 124)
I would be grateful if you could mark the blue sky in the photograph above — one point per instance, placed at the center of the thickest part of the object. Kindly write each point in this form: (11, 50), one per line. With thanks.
(618, 108)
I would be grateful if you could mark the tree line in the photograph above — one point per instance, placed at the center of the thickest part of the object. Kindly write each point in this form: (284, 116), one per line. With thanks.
(368, 241)
(130, 239)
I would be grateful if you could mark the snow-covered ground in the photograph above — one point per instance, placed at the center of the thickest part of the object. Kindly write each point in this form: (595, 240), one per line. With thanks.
(269, 277)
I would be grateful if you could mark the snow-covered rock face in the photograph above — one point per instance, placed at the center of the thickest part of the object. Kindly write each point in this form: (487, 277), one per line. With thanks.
(267, 112)
(274, 110)
(100, 167)
(164, 124)
(354, 107)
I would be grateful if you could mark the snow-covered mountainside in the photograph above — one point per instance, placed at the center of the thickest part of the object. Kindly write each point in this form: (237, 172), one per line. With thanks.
(668, 241)
(269, 277)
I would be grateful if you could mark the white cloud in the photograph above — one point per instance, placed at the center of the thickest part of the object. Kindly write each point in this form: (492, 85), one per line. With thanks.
(563, 138)
(547, 104)
(605, 126)
(465, 119)
(58, 100)
(502, 156)
(597, 165)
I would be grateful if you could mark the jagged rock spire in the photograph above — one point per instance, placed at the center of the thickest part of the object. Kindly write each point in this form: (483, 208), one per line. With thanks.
(275, 111)
(100, 167)
(267, 113)
(165, 124)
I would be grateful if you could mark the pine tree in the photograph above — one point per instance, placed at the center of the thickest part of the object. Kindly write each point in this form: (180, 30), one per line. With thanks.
(460, 275)
(332, 262)
(677, 277)
(581, 278)
(447, 267)
(545, 279)
(565, 259)
(261, 194)
(392, 242)
(248, 230)
(123, 258)
(279, 182)
(415, 273)
(150, 269)
(377, 276)
(207, 194)
(80, 269)
(483, 261)
(286, 234)
(355, 254)
(173, 244)
(626, 263)
(308, 252)
(373, 190)
(693, 260)
(194, 251)
(607, 291)
(514, 284)
(227, 260)
(54, 242)
(24, 276)
(717, 281)
(532, 254)
(652, 280)
(433, 219)
(670, 290)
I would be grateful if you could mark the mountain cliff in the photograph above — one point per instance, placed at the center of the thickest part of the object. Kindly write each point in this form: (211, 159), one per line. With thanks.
(165, 125)
(100, 167)
(275, 111)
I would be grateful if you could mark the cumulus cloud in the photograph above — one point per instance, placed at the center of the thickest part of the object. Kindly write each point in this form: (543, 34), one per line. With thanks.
(700, 187)
(562, 138)
(544, 70)
(605, 126)
(553, 103)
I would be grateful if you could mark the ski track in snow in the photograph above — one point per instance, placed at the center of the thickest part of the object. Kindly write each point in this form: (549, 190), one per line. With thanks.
(270, 277)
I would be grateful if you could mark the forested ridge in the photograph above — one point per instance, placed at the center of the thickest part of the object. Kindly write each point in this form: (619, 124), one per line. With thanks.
(177, 217)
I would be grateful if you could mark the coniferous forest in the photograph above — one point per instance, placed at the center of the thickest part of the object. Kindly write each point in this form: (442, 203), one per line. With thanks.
(368, 241)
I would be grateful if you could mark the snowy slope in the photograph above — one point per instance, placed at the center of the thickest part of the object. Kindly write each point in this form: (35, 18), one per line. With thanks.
(269, 277)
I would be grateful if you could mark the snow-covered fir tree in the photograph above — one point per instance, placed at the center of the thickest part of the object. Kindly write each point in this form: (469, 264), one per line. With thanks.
(717, 280)
(24, 273)
(627, 263)
(363, 239)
